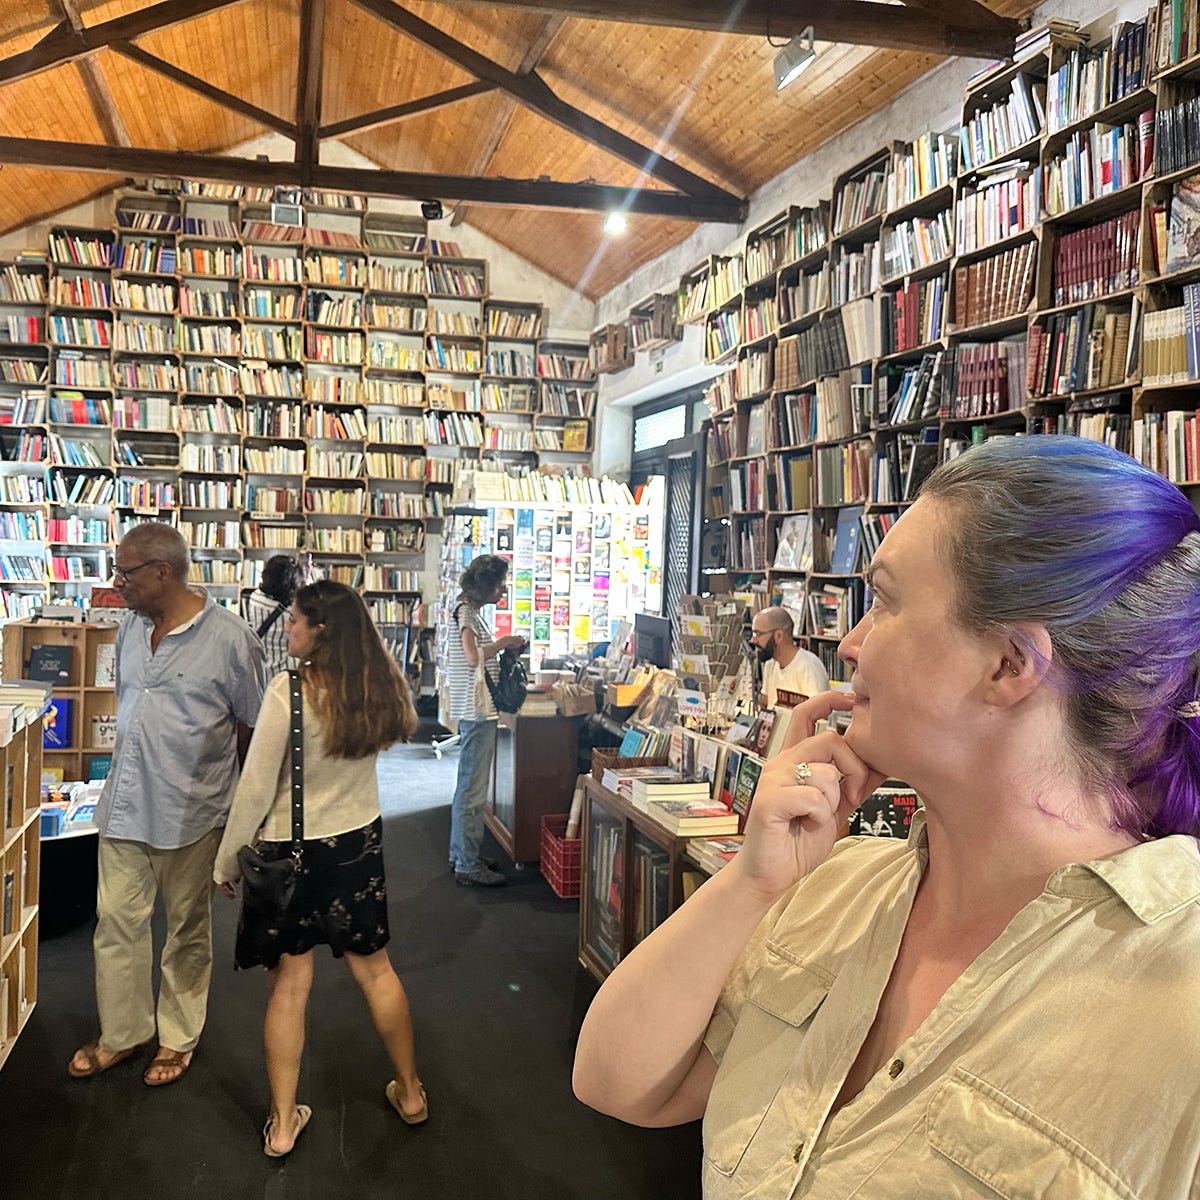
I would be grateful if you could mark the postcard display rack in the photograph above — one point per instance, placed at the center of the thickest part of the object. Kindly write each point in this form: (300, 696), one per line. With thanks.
(1032, 272)
(264, 388)
(576, 569)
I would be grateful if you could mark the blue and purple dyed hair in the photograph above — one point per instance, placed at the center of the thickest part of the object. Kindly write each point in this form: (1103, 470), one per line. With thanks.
(1077, 537)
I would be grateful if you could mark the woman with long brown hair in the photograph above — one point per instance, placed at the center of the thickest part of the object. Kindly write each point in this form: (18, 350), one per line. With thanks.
(355, 702)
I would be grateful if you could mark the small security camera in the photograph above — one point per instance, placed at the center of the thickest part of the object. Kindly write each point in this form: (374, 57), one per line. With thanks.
(432, 210)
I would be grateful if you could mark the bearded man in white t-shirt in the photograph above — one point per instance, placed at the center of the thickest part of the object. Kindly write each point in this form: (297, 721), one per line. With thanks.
(786, 667)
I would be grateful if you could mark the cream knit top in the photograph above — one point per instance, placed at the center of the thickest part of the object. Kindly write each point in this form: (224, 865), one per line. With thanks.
(340, 794)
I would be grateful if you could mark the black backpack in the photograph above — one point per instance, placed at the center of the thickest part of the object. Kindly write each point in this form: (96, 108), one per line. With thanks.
(509, 687)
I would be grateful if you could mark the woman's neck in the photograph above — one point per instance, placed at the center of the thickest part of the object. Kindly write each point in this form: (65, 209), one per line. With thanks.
(996, 848)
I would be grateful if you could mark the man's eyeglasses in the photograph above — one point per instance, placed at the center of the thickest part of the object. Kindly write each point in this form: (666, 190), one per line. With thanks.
(122, 574)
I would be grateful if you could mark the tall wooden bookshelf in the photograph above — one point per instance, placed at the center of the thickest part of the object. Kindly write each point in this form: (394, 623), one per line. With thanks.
(263, 387)
(21, 767)
(964, 286)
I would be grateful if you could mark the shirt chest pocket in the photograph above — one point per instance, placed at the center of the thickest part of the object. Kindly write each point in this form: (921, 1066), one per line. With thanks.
(1012, 1151)
(771, 1028)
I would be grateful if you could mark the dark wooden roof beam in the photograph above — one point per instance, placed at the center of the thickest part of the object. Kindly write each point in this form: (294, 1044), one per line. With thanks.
(965, 32)
(507, 193)
(308, 86)
(411, 108)
(531, 91)
(66, 45)
(202, 88)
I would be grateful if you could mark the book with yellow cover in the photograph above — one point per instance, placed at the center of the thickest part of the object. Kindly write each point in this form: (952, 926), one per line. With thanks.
(575, 435)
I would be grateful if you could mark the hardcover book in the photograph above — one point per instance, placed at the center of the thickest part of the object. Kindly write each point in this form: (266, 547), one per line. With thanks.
(51, 664)
(794, 551)
(106, 665)
(104, 730)
(57, 724)
(1183, 226)
(844, 559)
(99, 766)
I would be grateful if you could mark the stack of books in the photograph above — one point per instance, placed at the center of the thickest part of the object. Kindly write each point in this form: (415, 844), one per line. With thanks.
(620, 779)
(1034, 41)
(647, 788)
(714, 853)
(21, 701)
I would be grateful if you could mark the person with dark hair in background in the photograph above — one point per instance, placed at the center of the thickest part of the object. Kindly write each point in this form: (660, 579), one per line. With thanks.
(987, 1008)
(355, 703)
(189, 684)
(785, 666)
(469, 648)
(264, 609)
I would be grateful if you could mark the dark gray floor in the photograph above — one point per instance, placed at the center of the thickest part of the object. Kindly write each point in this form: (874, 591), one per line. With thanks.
(497, 997)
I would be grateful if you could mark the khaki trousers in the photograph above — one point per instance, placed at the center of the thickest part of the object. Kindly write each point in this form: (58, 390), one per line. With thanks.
(131, 876)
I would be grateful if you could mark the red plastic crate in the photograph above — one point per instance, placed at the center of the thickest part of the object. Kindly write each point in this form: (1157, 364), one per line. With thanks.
(560, 855)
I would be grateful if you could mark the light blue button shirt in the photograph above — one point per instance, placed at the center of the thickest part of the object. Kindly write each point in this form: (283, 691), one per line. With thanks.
(175, 763)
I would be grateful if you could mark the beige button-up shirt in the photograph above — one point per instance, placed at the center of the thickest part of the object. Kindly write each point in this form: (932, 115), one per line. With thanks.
(1064, 1064)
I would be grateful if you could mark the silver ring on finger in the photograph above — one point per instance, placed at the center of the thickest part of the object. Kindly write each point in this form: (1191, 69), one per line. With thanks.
(803, 772)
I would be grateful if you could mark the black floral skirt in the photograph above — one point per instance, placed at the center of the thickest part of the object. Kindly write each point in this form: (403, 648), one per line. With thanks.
(340, 901)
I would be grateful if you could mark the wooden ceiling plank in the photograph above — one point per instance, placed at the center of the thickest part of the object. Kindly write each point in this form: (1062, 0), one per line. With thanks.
(100, 97)
(397, 112)
(308, 85)
(502, 119)
(112, 124)
(509, 193)
(532, 92)
(69, 45)
(850, 22)
(201, 87)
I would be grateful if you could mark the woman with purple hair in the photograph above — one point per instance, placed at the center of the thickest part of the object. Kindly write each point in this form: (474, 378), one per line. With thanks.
(1004, 1004)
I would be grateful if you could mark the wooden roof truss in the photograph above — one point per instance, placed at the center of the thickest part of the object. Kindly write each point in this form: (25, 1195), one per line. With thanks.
(962, 27)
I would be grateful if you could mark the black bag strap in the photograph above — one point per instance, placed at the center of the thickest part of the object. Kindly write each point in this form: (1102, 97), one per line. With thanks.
(261, 631)
(297, 741)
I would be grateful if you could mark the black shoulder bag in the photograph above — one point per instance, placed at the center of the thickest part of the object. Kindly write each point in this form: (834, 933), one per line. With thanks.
(269, 884)
(261, 631)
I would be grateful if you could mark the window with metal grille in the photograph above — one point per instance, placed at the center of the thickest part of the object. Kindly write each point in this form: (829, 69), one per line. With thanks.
(658, 428)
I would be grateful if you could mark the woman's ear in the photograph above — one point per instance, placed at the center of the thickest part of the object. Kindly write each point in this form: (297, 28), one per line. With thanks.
(1022, 658)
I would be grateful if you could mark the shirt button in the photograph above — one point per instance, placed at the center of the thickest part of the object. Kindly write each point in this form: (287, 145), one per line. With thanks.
(895, 1067)
(797, 1151)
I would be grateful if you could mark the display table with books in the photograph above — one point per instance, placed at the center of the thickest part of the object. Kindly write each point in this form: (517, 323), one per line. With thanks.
(631, 878)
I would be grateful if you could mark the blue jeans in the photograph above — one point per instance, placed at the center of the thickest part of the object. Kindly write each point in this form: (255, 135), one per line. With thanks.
(477, 750)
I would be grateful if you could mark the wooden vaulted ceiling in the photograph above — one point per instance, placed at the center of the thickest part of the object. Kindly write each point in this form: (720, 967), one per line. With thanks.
(705, 100)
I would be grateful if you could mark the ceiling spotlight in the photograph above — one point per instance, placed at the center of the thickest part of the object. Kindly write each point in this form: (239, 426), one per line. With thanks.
(432, 210)
(794, 58)
(615, 222)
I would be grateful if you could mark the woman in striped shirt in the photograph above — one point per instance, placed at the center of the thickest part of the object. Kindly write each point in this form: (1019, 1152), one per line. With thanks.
(469, 648)
(264, 609)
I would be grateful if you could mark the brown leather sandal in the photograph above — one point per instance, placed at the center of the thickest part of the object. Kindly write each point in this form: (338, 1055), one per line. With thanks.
(91, 1052)
(174, 1059)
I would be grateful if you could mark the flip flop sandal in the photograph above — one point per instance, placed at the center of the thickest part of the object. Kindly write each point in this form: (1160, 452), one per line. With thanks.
(304, 1113)
(169, 1058)
(417, 1118)
(95, 1067)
